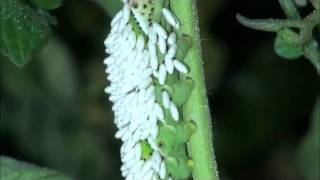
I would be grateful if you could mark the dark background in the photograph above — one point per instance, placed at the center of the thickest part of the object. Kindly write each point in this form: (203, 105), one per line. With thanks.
(54, 112)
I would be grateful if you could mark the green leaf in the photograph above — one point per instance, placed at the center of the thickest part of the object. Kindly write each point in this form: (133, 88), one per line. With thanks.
(288, 44)
(315, 3)
(12, 169)
(110, 6)
(308, 157)
(23, 31)
(47, 4)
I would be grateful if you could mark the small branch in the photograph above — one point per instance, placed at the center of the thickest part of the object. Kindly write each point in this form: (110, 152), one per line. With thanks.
(289, 9)
(312, 53)
(270, 25)
(315, 3)
(306, 27)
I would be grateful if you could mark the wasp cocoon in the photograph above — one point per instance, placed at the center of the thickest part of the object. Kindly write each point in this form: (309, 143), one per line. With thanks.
(143, 74)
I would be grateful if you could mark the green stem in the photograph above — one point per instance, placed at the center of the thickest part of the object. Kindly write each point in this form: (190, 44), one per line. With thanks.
(312, 53)
(269, 25)
(196, 109)
(290, 9)
(306, 26)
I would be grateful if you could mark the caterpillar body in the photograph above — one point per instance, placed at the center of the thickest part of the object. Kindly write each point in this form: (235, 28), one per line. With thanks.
(147, 92)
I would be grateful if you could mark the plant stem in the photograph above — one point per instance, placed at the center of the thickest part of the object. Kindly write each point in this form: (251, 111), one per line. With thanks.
(290, 9)
(196, 109)
(312, 53)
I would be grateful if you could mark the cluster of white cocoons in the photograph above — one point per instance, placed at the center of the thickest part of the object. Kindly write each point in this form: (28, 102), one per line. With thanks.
(133, 69)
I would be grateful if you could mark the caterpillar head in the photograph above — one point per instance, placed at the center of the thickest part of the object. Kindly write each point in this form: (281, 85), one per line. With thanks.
(146, 11)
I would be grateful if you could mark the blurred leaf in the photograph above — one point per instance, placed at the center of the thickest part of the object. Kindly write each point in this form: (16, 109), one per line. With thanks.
(287, 44)
(315, 3)
(23, 31)
(34, 113)
(50, 19)
(301, 3)
(110, 6)
(57, 65)
(47, 4)
(13, 170)
(308, 155)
